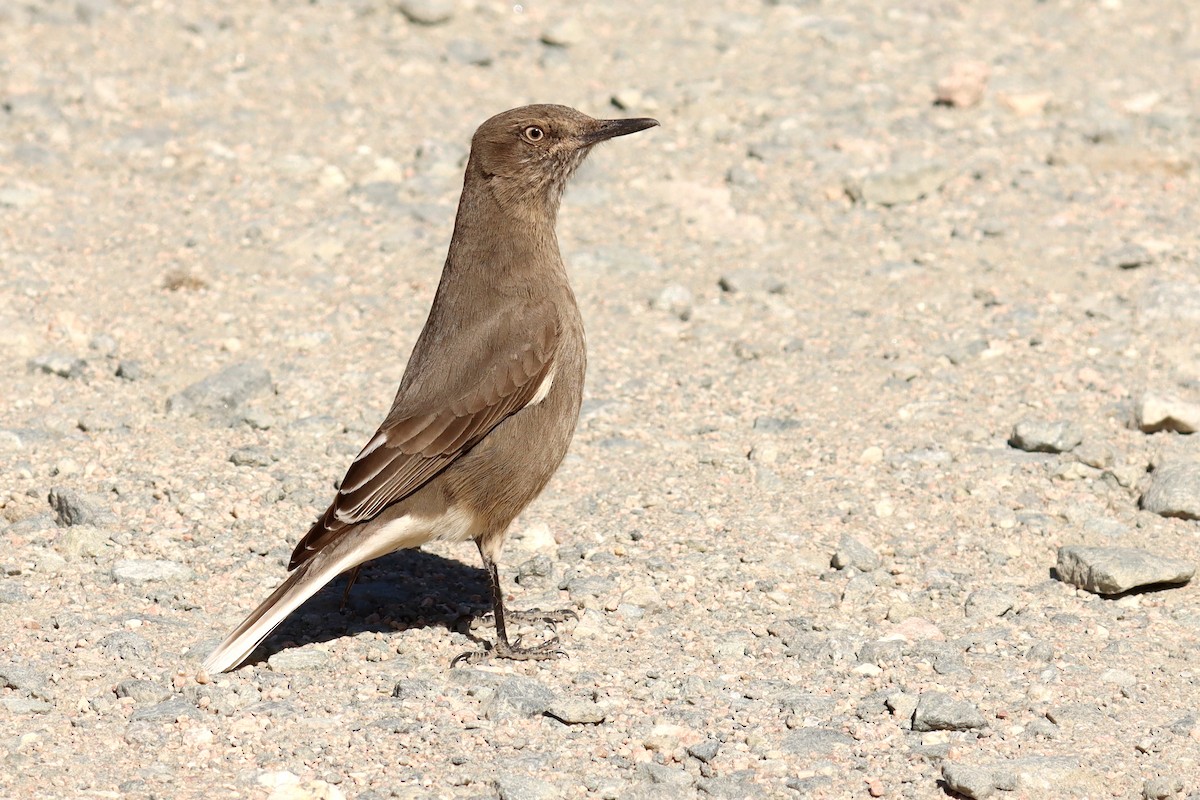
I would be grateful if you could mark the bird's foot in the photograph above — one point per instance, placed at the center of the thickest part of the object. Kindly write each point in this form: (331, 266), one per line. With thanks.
(514, 652)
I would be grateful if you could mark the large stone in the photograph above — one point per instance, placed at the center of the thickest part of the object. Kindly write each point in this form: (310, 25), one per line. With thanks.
(941, 712)
(969, 781)
(1113, 570)
(221, 395)
(518, 697)
(1174, 490)
(1166, 412)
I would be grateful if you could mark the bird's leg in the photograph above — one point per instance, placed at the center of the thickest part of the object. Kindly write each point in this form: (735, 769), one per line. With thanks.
(349, 582)
(504, 648)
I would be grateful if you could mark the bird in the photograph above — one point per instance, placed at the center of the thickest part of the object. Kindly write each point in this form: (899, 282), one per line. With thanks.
(490, 397)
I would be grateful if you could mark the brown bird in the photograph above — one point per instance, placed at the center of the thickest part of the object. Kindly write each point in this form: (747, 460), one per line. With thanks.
(489, 400)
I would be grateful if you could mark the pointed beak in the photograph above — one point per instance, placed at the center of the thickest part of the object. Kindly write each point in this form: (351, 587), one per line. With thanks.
(611, 128)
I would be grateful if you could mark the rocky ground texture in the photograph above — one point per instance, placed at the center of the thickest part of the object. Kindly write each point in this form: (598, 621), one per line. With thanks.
(887, 479)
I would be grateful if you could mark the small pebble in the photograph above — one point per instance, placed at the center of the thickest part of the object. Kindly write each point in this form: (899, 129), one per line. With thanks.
(1038, 436)
(851, 553)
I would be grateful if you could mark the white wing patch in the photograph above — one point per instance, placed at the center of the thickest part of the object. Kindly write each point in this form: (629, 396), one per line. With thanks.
(544, 389)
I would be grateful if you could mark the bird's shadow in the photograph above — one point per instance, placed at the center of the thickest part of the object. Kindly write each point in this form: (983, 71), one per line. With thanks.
(402, 590)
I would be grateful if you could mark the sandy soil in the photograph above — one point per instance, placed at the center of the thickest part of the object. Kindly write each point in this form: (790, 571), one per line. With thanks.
(806, 560)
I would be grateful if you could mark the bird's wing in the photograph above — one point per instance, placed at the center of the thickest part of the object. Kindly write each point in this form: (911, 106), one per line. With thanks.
(412, 446)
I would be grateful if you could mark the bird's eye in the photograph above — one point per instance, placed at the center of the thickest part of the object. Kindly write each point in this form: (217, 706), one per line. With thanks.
(534, 134)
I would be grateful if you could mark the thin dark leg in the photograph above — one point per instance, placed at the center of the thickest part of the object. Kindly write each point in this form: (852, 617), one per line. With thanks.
(349, 583)
(504, 648)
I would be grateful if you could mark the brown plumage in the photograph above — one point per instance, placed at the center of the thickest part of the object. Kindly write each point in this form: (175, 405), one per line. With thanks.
(489, 400)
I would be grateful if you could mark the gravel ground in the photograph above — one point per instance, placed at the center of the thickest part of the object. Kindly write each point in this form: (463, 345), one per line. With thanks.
(886, 432)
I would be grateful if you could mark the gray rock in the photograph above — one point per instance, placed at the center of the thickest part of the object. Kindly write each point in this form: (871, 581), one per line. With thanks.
(225, 700)
(853, 553)
(1048, 776)
(1129, 256)
(1095, 455)
(427, 12)
(1161, 788)
(1038, 436)
(705, 751)
(1165, 412)
(940, 712)
(1113, 570)
(970, 781)
(902, 705)
(903, 183)
(25, 680)
(137, 572)
(1174, 490)
(143, 692)
(525, 787)
(83, 541)
(298, 658)
(26, 705)
(812, 741)
(665, 776)
(748, 280)
(12, 594)
(882, 651)
(58, 364)
(577, 712)
(535, 571)
(221, 395)
(987, 603)
(518, 697)
(166, 711)
(130, 370)
(70, 508)
(776, 424)
(126, 645)
(252, 456)
(676, 300)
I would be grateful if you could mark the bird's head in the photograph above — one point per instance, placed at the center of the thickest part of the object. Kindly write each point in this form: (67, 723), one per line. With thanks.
(527, 154)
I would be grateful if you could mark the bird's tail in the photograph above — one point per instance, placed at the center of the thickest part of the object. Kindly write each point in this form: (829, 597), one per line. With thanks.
(302, 584)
